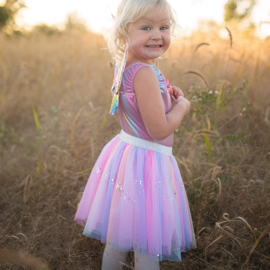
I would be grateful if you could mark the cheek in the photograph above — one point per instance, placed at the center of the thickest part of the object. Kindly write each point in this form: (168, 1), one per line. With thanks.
(168, 40)
(137, 47)
(167, 43)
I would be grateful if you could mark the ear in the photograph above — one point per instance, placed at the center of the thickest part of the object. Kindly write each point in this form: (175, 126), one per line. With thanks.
(113, 16)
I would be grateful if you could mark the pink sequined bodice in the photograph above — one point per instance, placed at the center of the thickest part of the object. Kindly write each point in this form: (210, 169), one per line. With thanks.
(130, 117)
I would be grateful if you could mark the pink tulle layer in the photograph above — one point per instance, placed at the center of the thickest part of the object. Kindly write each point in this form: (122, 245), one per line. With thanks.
(135, 200)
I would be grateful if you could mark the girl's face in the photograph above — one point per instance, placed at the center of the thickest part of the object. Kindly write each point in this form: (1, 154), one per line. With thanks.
(149, 37)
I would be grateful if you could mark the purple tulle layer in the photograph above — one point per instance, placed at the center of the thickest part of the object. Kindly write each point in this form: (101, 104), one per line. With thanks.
(135, 200)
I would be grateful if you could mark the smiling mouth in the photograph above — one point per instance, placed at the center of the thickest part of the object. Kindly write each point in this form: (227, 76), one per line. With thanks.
(153, 46)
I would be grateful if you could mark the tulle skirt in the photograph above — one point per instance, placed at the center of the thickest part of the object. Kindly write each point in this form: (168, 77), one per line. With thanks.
(135, 200)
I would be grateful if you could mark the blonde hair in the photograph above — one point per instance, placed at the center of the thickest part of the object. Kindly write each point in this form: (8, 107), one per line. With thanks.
(130, 11)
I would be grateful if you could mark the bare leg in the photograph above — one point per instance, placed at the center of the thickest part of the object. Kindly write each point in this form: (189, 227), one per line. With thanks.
(143, 262)
(112, 257)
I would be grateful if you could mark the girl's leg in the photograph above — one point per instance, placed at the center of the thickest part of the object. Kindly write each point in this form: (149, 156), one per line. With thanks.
(143, 262)
(112, 257)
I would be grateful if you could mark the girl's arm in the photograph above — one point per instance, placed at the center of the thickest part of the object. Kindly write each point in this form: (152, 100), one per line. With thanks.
(159, 125)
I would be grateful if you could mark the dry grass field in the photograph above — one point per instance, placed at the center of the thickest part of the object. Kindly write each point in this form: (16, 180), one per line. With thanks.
(54, 121)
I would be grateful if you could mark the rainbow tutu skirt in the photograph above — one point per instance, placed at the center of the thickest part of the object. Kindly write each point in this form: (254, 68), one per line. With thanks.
(135, 200)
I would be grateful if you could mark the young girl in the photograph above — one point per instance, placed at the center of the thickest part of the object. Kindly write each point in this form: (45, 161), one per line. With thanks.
(135, 198)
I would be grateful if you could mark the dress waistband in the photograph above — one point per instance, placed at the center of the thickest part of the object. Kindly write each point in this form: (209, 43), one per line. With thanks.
(166, 150)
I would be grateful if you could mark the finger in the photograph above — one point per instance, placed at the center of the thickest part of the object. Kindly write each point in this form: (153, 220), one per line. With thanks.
(176, 94)
(173, 87)
(179, 93)
(176, 91)
(182, 93)
(173, 93)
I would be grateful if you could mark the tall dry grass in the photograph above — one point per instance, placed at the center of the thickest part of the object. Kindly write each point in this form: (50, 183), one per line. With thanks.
(55, 97)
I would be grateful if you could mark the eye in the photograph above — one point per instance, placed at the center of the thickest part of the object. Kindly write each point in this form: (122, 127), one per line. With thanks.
(164, 28)
(146, 28)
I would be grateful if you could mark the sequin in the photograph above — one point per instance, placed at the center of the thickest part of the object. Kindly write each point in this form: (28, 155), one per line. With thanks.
(98, 171)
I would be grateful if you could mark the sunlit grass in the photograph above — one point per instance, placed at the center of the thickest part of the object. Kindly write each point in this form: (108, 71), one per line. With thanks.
(54, 111)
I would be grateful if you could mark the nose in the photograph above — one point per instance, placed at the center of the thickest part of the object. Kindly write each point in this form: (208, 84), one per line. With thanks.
(156, 34)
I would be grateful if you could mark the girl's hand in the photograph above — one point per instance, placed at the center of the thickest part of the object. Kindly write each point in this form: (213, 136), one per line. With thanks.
(176, 92)
(158, 123)
(183, 101)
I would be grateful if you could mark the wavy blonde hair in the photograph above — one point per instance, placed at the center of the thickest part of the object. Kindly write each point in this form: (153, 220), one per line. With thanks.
(130, 11)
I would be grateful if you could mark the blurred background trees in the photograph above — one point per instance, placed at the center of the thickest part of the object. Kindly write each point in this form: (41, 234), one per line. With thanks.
(238, 9)
(11, 8)
(8, 12)
(237, 13)
(75, 22)
(43, 28)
